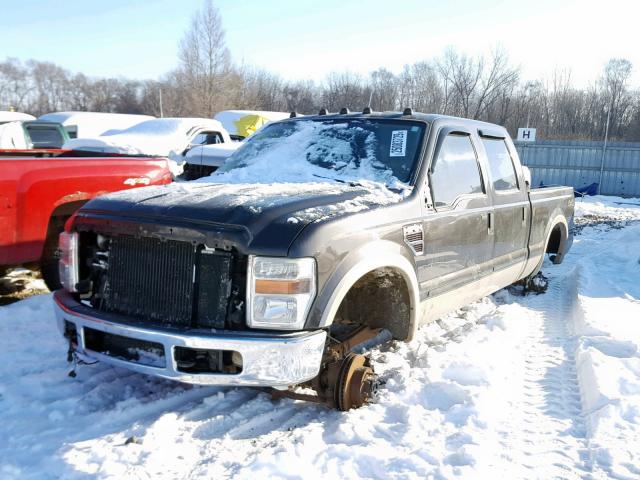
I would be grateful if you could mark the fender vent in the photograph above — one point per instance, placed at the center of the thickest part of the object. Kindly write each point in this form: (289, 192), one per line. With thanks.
(414, 237)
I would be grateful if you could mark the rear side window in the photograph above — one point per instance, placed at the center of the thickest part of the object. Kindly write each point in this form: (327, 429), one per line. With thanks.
(45, 137)
(503, 174)
(456, 170)
(72, 130)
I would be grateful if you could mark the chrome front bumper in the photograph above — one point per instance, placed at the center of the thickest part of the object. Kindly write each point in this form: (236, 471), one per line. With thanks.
(267, 359)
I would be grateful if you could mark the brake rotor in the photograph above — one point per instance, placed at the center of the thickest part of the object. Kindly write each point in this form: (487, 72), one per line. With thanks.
(356, 384)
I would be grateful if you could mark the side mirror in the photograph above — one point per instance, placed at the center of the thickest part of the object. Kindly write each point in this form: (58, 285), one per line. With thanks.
(527, 176)
(190, 147)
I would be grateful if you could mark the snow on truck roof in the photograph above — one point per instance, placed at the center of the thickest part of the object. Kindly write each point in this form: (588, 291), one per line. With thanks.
(15, 116)
(92, 124)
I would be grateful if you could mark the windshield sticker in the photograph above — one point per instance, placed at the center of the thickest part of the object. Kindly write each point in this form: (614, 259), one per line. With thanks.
(398, 143)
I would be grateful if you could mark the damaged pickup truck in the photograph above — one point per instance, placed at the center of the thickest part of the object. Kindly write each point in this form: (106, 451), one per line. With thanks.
(316, 235)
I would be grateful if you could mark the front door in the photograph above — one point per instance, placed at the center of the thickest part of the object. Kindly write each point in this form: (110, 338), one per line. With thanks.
(458, 233)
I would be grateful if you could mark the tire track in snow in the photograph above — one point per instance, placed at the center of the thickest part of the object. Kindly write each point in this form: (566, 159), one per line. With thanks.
(546, 436)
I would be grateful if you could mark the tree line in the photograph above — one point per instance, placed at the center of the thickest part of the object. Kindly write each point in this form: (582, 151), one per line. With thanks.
(206, 80)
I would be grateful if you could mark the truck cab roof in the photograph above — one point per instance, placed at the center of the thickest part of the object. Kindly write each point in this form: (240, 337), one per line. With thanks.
(429, 118)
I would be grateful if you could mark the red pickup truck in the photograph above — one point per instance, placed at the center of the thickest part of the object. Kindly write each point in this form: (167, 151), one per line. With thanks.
(41, 189)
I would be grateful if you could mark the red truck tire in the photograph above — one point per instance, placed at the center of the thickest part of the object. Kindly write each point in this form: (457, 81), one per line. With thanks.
(49, 260)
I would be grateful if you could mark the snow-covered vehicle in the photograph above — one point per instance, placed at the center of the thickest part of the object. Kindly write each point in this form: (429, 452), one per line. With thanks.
(317, 234)
(92, 124)
(242, 123)
(6, 116)
(203, 160)
(160, 137)
(23, 135)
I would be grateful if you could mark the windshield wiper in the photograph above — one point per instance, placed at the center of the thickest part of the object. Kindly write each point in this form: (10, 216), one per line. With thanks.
(351, 183)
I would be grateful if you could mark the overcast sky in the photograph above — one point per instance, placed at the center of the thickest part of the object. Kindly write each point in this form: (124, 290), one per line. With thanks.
(308, 39)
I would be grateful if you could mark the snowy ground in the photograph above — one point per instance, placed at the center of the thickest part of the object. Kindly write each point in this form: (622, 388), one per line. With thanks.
(543, 386)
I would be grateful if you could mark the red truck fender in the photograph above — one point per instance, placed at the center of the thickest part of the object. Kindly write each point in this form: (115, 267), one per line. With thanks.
(39, 194)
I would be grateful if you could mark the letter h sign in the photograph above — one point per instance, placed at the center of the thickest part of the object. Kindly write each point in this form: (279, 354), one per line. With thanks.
(526, 134)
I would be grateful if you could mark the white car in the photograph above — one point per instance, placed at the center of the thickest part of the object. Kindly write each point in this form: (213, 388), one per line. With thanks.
(163, 137)
(6, 117)
(203, 160)
(92, 124)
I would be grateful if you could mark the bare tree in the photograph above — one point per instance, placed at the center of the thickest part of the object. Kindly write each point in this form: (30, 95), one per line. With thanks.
(619, 102)
(345, 89)
(14, 85)
(464, 74)
(383, 90)
(205, 62)
(497, 82)
(302, 97)
(421, 87)
(206, 81)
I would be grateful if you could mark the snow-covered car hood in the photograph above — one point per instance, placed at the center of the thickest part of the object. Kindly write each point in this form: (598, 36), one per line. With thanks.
(164, 137)
(271, 215)
(212, 155)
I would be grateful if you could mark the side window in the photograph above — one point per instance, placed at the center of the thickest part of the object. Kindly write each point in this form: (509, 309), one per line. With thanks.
(501, 169)
(207, 138)
(72, 130)
(456, 170)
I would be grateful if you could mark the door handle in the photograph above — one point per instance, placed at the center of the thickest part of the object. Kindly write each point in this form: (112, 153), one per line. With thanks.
(490, 223)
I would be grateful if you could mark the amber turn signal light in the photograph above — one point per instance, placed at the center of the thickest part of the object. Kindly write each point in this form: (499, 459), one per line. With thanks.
(282, 287)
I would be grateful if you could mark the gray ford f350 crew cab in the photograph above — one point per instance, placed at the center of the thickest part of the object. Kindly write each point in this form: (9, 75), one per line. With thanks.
(318, 232)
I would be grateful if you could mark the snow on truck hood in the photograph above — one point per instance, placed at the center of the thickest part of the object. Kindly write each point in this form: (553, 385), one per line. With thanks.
(272, 214)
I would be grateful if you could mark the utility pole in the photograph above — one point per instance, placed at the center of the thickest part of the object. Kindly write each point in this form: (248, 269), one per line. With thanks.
(604, 149)
(160, 95)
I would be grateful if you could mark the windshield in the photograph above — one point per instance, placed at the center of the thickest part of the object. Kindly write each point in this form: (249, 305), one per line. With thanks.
(340, 149)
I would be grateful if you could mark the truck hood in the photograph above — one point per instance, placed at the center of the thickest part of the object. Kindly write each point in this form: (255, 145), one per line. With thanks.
(270, 216)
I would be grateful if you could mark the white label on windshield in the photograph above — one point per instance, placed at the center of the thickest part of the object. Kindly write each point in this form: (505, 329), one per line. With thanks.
(398, 143)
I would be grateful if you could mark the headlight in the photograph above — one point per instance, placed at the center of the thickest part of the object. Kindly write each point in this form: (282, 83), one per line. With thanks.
(68, 262)
(280, 292)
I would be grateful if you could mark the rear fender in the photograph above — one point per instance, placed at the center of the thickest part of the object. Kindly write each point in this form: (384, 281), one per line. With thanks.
(557, 221)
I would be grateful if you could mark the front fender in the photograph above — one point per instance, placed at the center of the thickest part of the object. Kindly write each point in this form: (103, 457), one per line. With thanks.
(369, 257)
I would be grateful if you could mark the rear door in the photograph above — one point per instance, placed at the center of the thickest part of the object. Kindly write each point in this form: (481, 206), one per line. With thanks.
(458, 235)
(510, 201)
